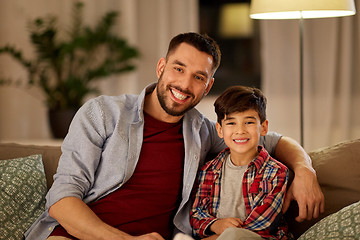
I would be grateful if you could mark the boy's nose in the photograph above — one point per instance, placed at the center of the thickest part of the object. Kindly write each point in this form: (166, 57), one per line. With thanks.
(240, 129)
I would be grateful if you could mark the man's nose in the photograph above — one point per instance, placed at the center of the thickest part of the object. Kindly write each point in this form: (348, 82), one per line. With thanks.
(186, 82)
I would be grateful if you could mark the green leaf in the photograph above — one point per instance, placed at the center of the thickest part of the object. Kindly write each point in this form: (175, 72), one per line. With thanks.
(65, 69)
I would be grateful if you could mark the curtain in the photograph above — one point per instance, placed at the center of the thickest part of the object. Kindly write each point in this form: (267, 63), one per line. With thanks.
(331, 78)
(147, 24)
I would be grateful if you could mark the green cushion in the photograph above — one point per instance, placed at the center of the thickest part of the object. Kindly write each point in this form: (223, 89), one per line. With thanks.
(22, 195)
(342, 225)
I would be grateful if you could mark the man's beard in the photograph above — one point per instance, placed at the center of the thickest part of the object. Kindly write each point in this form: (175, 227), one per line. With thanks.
(171, 110)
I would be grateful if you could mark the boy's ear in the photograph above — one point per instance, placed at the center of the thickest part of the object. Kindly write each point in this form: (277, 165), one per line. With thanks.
(219, 130)
(264, 128)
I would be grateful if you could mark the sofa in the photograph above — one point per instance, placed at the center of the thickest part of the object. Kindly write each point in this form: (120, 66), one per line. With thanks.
(337, 167)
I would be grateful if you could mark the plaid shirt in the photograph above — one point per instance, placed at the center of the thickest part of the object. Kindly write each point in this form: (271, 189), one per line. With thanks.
(264, 187)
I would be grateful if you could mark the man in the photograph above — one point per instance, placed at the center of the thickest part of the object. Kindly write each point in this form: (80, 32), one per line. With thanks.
(129, 162)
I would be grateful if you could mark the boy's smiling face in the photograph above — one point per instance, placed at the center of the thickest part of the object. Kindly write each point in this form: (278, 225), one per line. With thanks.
(241, 132)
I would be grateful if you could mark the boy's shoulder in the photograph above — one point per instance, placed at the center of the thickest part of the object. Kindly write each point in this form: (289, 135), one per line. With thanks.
(266, 161)
(216, 163)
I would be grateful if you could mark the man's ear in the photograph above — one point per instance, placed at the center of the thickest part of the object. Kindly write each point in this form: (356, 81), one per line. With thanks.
(219, 130)
(264, 128)
(209, 86)
(160, 67)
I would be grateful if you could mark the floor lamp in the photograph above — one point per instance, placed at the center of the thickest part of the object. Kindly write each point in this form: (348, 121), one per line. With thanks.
(301, 9)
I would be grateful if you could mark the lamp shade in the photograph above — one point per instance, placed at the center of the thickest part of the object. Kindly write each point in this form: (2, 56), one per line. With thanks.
(295, 9)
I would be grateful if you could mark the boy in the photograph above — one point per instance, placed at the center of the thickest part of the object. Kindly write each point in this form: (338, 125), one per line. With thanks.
(243, 188)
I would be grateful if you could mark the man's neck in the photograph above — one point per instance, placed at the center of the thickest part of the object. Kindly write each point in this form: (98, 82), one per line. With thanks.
(153, 108)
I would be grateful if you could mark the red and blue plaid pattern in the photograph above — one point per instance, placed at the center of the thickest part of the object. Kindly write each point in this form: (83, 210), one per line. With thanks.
(264, 187)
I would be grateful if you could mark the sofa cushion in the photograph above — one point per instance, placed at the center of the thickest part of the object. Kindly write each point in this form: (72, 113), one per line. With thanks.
(344, 224)
(22, 195)
(338, 173)
(50, 156)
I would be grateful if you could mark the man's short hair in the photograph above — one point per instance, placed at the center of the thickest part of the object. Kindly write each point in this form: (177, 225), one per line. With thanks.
(240, 99)
(202, 42)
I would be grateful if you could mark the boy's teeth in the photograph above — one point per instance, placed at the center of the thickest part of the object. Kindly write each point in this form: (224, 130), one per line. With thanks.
(178, 95)
(240, 141)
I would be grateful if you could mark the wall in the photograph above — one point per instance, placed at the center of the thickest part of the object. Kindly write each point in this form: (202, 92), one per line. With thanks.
(147, 24)
(331, 78)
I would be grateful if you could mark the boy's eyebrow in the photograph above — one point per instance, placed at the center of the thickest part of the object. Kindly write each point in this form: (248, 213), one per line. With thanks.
(184, 65)
(252, 117)
(228, 118)
(231, 118)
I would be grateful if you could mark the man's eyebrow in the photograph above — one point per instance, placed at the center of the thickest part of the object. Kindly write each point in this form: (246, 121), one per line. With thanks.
(202, 73)
(179, 63)
(184, 65)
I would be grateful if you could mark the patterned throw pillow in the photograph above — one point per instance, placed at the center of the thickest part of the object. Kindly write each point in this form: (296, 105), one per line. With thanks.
(342, 225)
(22, 195)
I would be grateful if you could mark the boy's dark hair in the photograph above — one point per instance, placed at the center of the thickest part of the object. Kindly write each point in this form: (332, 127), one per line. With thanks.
(203, 43)
(240, 99)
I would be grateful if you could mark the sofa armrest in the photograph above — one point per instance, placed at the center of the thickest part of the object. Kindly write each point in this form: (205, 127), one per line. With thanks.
(337, 168)
(50, 156)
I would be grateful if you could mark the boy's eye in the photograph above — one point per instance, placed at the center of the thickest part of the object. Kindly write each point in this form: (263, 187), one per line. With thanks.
(230, 123)
(250, 122)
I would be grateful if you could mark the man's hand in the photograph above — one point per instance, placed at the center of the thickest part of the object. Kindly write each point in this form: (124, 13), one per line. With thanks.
(149, 236)
(81, 222)
(304, 188)
(220, 225)
(307, 192)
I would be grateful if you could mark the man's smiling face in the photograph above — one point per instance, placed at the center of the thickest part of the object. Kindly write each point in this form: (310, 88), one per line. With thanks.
(185, 77)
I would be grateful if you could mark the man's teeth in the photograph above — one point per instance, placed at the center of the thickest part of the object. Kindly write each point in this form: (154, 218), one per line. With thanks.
(240, 141)
(178, 95)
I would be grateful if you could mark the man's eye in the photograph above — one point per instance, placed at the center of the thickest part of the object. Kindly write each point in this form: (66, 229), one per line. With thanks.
(200, 78)
(178, 69)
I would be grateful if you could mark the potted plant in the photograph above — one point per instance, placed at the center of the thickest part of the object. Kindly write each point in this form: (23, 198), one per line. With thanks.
(65, 70)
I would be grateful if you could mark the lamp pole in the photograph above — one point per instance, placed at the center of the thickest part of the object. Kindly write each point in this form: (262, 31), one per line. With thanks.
(285, 9)
(301, 28)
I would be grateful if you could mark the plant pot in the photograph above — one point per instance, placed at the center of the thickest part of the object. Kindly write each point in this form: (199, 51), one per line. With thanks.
(59, 121)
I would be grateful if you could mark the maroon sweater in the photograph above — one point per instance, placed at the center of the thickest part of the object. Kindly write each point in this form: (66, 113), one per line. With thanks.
(148, 201)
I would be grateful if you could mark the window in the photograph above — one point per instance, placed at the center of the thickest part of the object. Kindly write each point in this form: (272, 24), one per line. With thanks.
(228, 22)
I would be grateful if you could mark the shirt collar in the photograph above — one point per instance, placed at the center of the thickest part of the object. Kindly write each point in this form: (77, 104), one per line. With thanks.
(257, 162)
